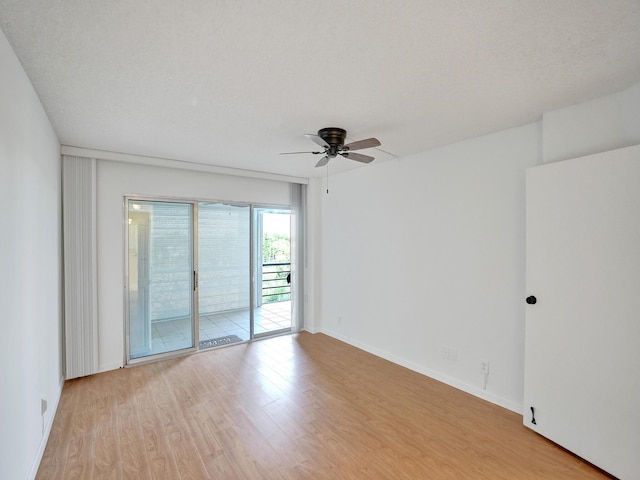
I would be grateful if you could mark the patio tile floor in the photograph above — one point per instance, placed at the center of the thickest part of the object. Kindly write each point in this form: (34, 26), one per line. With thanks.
(176, 334)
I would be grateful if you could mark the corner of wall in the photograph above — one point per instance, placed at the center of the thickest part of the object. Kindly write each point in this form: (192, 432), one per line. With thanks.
(440, 377)
(47, 431)
(599, 125)
(31, 256)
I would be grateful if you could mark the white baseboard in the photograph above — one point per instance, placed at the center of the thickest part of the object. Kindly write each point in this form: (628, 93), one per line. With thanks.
(453, 382)
(45, 435)
(105, 367)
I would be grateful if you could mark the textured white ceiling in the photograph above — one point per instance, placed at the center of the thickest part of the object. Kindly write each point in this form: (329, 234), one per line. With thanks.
(233, 83)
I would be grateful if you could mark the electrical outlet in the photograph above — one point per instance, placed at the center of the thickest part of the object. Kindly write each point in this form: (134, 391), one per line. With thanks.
(484, 366)
(43, 406)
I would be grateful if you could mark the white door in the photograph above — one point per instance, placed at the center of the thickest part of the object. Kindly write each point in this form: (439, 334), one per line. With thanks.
(582, 358)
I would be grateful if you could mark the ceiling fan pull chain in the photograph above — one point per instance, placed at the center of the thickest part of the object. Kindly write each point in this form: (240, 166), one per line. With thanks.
(327, 179)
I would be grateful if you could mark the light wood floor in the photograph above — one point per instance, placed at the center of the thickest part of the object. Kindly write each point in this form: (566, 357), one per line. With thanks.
(294, 407)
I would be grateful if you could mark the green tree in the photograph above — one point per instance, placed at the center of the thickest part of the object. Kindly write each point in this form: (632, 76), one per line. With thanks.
(276, 247)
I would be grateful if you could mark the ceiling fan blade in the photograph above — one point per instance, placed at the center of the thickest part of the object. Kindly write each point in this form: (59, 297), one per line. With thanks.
(358, 157)
(296, 153)
(360, 144)
(323, 161)
(317, 139)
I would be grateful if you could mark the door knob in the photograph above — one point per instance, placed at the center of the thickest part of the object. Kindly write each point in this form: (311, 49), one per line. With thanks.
(531, 300)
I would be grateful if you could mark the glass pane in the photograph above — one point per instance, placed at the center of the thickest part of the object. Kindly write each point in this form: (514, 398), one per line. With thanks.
(223, 274)
(273, 275)
(160, 277)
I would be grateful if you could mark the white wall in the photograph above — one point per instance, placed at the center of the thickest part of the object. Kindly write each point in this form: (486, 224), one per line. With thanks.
(114, 181)
(30, 273)
(427, 252)
(603, 124)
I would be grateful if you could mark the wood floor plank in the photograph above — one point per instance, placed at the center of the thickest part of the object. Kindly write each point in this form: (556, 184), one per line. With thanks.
(106, 451)
(162, 463)
(291, 407)
(220, 467)
(78, 458)
(133, 455)
(189, 462)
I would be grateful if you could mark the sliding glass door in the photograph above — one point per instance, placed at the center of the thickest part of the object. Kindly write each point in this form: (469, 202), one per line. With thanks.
(205, 274)
(224, 274)
(272, 300)
(160, 277)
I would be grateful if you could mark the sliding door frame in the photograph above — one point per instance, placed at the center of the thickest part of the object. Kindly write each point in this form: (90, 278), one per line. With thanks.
(254, 250)
(194, 285)
(195, 293)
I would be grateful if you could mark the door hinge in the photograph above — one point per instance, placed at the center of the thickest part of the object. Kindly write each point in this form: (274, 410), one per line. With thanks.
(195, 280)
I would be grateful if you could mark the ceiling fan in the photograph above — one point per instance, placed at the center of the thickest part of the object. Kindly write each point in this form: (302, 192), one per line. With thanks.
(331, 139)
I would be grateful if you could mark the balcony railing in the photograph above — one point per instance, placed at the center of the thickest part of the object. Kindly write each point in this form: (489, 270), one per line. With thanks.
(275, 287)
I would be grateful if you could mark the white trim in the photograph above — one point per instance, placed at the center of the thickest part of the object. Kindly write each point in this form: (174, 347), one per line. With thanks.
(172, 163)
(45, 435)
(475, 391)
(106, 367)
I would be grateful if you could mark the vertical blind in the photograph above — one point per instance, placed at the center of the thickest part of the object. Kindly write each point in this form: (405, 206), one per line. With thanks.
(80, 266)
